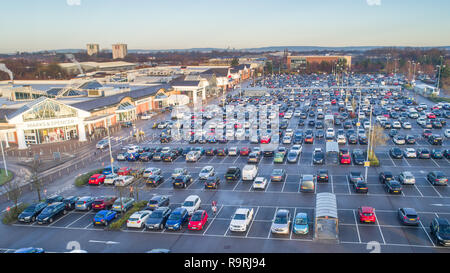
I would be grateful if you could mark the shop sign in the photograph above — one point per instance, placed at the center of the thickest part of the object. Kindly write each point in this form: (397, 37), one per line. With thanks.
(50, 123)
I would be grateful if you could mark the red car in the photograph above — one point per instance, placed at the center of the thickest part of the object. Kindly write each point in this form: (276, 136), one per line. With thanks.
(104, 202)
(245, 151)
(427, 133)
(198, 220)
(333, 101)
(367, 215)
(346, 159)
(124, 171)
(309, 139)
(97, 179)
(431, 115)
(265, 140)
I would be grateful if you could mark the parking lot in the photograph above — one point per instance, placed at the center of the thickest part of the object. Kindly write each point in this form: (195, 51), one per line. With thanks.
(428, 200)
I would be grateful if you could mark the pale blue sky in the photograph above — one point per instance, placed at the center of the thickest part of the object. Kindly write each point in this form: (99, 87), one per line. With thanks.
(27, 25)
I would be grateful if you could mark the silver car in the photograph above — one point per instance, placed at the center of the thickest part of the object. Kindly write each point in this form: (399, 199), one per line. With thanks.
(407, 178)
(282, 222)
(206, 172)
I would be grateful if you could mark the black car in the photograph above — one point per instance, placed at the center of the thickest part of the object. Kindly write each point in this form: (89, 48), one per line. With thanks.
(154, 180)
(423, 153)
(393, 186)
(435, 140)
(70, 202)
(358, 157)
(363, 140)
(410, 139)
(311, 123)
(360, 186)
(233, 173)
(352, 139)
(157, 220)
(52, 211)
(54, 199)
(301, 123)
(182, 181)
(322, 175)
(437, 154)
(165, 139)
(440, 230)
(447, 153)
(385, 176)
(212, 182)
(354, 177)
(210, 151)
(31, 212)
(318, 157)
(158, 201)
(396, 153)
(146, 156)
(437, 178)
(169, 157)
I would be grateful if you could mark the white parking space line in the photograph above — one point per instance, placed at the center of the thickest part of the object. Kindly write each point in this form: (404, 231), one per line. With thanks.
(406, 160)
(237, 183)
(437, 191)
(292, 224)
(424, 230)
(253, 220)
(437, 165)
(62, 218)
(379, 228)
(332, 186)
(274, 214)
(357, 229)
(213, 218)
(418, 190)
(348, 186)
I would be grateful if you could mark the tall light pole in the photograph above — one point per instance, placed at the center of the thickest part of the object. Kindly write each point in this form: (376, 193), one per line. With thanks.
(4, 160)
(369, 143)
(439, 74)
(109, 145)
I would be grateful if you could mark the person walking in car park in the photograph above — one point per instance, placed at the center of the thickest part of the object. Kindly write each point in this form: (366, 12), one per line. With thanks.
(131, 191)
(214, 206)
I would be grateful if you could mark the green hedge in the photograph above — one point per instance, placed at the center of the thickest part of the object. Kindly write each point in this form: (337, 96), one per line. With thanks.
(11, 216)
(124, 216)
(438, 99)
(84, 178)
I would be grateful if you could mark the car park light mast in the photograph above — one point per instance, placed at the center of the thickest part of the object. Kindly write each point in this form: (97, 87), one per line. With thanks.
(366, 165)
(109, 145)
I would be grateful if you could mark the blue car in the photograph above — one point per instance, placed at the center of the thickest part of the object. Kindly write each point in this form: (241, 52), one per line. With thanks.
(300, 225)
(108, 170)
(104, 217)
(133, 157)
(177, 218)
(30, 250)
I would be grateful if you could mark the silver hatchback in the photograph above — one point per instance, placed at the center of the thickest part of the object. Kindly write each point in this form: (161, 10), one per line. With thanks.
(282, 222)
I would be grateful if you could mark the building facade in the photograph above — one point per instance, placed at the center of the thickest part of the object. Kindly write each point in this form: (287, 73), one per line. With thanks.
(119, 51)
(92, 49)
(300, 62)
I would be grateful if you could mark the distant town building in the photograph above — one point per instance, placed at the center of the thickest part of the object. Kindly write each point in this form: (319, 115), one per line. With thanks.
(300, 62)
(92, 49)
(119, 51)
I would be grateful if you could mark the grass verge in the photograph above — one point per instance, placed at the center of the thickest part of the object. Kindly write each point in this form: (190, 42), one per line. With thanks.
(11, 216)
(124, 216)
(84, 178)
(5, 178)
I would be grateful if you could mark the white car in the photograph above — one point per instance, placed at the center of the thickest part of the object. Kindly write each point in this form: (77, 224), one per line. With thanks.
(249, 172)
(147, 116)
(109, 179)
(330, 133)
(179, 171)
(240, 134)
(165, 150)
(138, 219)
(233, 151)
(241, 219)
(206, 172)
(193, 156)
(406, 125)
(397, 125)
(341, 139)
(123, 180)
(297, 148)
(132, 149)
(410, 153)
(447, 133)
(260, 183)
(102, 144)
(289, 132)
(287, 140)
(407, 178)
(151, 171)
(192, 203)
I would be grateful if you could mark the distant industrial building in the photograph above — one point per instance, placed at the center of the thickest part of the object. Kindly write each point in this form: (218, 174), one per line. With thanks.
(300, 62)
(92, 49)
(119, 51)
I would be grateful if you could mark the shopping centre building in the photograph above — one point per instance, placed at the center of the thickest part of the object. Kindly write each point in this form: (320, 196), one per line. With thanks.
(48, 120)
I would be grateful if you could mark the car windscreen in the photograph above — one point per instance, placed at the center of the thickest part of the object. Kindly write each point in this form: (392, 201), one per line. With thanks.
(281, 220)
(301, 221)
(156, 214)
(239, 217)
(30, 209)
(188, 204)
(196, 217)
(175, 217)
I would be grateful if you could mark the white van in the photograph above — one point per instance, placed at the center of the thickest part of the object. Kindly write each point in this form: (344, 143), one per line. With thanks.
(249, 172)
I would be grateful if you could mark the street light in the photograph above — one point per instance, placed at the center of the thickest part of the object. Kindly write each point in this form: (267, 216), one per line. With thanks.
(369, 143)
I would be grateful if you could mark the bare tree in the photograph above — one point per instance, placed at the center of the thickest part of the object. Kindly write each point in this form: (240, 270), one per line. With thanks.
(14, 191)
(35, 181)
(378, 138)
